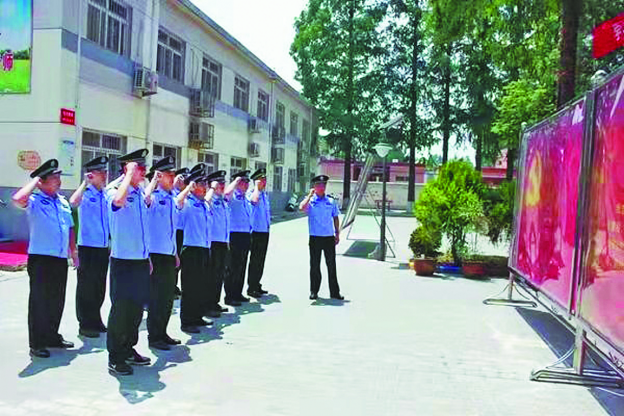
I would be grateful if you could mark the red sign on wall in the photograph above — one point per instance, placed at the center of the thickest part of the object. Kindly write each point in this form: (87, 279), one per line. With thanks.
(609, 36)
(68, 116)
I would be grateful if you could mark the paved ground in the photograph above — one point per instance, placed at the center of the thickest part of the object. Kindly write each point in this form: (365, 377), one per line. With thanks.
(401, 345)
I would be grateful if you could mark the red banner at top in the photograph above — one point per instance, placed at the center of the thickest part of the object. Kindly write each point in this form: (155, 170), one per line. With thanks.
(609, 36)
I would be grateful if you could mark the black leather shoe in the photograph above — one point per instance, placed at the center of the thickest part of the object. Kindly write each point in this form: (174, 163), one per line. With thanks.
(313, 296)
(102, 328)
(254, 294)
(39, 352)
(203, 322)
(160, 345)
(264, 292)
(89, 333)
(120, 369)
(337, 297)
(62, 344)
(221, 308)
(190, 329)
(172, 341)
(233, 303)
(243, 299)
(213, 314)
(138, 359)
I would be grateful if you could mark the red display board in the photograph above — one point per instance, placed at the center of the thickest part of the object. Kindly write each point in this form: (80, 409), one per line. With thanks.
(602, 295)
(545, 230)
(608, 36)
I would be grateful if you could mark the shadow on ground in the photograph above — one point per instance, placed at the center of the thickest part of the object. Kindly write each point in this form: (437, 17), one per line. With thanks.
(559, 339)
(330, 302)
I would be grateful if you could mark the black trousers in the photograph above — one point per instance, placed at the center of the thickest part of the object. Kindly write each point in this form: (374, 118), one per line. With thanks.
(327, 245)
(48, 283)
(162, 283)
(240, 243)
(219, 265)
(129, 288)
(91, 286)
(259, 245)
(197, 286)
(179, 242)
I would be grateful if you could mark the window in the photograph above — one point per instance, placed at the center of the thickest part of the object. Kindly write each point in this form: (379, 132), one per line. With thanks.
(280, 115)
(236, 165)
(161, 150)
(294, 121)
(402, 179)
(261, 165)
(210, 159)
(241, 94)
(277, 178)
(263, 105)
(305, 131)
(108, 25)
(170, 58)
(292, 179)
(211, 77)
(101, 144)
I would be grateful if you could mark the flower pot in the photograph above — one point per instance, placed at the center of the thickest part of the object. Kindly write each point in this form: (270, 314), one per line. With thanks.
(473, 269)
(424, 267)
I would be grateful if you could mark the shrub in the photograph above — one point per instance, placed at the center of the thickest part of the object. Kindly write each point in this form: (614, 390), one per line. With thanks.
(425, 241)
(498, 207)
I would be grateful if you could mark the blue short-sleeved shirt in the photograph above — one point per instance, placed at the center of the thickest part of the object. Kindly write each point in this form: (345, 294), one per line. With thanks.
(49, 219)
(321, 213)
(197, 222)
(162, 216)
(129, 227)
(93, 218)
(240, 213)
(220, 219)
(260, 213)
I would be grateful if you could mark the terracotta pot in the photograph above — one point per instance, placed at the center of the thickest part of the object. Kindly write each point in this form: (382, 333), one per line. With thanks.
(424, 267)
(473, 269)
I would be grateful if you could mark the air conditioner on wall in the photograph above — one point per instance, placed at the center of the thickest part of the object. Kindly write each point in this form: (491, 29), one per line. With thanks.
(254, 150)
(254, 125)
(145, 82)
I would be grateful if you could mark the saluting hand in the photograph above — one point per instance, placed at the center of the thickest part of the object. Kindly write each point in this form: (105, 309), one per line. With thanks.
(131, 167)
(157, 176)
(88, 177)
(192, 186)
(214, 184)
(312, 192)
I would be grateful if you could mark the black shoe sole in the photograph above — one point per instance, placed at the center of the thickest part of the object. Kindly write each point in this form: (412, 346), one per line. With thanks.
(193, 330)
(39, 354)
(94, 334)
(139, 364)
(119, 373)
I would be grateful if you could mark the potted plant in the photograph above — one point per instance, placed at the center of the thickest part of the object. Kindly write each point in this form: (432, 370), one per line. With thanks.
(474, 266)
(424, 243)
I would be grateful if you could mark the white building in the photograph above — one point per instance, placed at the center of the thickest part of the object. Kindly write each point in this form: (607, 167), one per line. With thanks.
(212, 101)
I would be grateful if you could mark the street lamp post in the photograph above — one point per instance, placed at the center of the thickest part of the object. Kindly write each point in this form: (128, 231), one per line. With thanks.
(382, 150)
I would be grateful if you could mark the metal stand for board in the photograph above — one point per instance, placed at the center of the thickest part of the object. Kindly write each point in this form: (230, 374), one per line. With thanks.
(509, 300)
(389, 236)
(579, 374)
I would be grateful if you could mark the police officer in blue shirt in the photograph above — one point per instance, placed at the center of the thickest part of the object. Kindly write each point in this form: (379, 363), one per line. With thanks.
(178, 186)
(93, 247)
(220, 248)
(129, 264)
(162, 218)
(240, 235)
(324, 227)
(51, 243)
(197, 285)
(260, 225)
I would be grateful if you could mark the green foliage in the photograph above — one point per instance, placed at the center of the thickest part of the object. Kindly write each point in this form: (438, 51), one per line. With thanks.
(453, 201)
(498, 207)
(425, 241)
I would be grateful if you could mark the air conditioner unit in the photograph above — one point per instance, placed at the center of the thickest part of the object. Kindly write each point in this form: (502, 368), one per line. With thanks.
(277, 155)
(145, 82)
(254, 125)
(202, 103)
(254, 149)
(201, 135)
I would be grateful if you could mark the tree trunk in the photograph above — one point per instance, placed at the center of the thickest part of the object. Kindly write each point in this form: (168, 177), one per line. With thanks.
(411, 192)
(511, 160)
(346, 190)
(479, 151)
(570, 16)
(446, 122)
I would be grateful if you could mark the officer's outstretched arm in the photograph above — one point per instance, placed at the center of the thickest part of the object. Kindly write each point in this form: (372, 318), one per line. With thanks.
(229, 190)
(76, 197)
(184, 194)
(122, 192)
(210, 193)
(306, 201)
(20, 198)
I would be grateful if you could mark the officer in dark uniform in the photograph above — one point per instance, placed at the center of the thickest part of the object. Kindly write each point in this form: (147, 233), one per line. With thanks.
(129, 264)
(240, 235)
(51, 243)
(220, 248)
(324, 227)
(162, 218)
(260, 225)
(197, 286)
(93, 244)
(178, 186)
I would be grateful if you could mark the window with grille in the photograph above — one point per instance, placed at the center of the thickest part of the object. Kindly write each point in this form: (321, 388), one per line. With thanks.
(170, 58)
(261, 165)
(162, 150)
(263, 105)
(96, 144)
(280, 115)
(294, 121)
(277, 178)
(210, 159)
(241, 94)
(236, 165)
(305, 131)
(292, 180)
(108, 24)
(211, 77)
